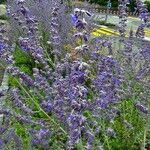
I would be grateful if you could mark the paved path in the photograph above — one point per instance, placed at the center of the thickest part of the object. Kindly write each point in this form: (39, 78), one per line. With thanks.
(103, 30)
(132, 22)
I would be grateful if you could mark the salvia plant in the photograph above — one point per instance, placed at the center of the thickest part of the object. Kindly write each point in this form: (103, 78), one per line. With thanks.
(73, 91)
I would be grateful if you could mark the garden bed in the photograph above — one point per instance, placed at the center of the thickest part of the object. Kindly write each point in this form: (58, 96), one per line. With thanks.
(64, 89)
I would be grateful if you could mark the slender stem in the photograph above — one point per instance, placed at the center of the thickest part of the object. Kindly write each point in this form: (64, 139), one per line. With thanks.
(106, 139)
(49, 59)
(146, 129)
(144, 140)
(38, 106)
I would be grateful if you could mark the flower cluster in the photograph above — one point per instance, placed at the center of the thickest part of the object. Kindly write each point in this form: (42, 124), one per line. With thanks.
(122, 16)
(40, 138)
(107, 81)
(144, 15)
(143, 12)
(81, 26)
(55, 28)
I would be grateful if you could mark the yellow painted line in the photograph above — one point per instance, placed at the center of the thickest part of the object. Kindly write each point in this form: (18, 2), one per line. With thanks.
(147, 32)
(135, 18)
(102, 32)
(147, 35)
(110, 31)
(96, 34)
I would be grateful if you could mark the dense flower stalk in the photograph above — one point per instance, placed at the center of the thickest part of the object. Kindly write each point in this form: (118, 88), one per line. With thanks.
(40, 138)
(142, 108)
(144, 15)
(17, 101)
(55, 28)
(143, 12)
(107, 81)
(122, 16)
(81, 26)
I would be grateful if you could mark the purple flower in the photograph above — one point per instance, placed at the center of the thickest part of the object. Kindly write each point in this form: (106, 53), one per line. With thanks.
(47, 106)
(107, 81)
(122, 16)
(146, 52)
(40, 138)
(74, 18)
(2, 46)
(110, 132)
(75, 122)
(140, 31)
(81, 24)
(24, 10)
(142, 108)
(17, 101)
(90, 137)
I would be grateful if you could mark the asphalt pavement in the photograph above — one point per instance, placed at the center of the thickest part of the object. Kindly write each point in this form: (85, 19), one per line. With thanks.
(132, 23)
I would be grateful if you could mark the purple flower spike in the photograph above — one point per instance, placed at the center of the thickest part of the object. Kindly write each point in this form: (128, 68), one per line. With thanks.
(2, 46)
(74, 19)
(142, 108)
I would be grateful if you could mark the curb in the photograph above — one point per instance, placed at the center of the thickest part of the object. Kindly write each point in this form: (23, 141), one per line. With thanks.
(3, 89)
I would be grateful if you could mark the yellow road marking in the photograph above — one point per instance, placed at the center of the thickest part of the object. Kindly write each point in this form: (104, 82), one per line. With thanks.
(147, 32)
(147, 35)
(108, 31)
(104, 31)
(135, 18)
(100, 33)
(96, 34)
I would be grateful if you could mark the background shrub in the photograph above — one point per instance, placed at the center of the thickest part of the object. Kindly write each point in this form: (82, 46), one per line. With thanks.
(148, 4)
(2, 1)
(131, 6)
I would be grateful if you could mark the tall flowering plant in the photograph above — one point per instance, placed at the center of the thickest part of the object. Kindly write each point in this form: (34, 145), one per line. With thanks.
(67, 103)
